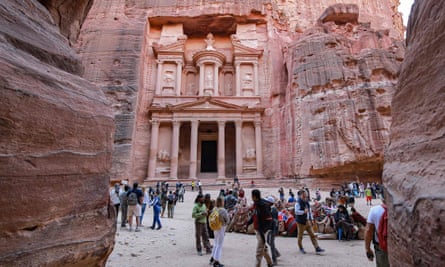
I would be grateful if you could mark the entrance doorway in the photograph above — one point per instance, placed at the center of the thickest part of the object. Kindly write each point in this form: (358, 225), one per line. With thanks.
(208, 156)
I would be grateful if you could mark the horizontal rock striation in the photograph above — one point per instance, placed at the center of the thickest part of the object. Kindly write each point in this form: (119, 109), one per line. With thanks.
(414, 170)
(55, 147)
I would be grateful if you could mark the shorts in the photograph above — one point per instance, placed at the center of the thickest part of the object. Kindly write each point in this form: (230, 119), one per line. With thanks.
(134, 210)
(368, 198)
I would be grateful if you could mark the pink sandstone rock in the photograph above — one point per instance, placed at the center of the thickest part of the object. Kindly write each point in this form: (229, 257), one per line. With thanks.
(414, 169)
(56, 133)
(330, 116)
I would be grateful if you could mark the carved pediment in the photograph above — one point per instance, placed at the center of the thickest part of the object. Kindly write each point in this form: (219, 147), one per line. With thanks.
(243, 50)
(169, 49)
(206, 104)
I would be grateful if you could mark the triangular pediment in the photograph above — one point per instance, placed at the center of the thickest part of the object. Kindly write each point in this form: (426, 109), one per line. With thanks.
(207, 103)
(174, 48)
(240, 49)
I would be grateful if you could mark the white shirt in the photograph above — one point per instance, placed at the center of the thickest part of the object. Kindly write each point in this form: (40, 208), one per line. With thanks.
(374, 216)
(114, 197)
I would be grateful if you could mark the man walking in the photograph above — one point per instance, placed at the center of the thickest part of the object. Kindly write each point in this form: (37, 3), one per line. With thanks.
(263, 224)
(304, 217)
(371, 233)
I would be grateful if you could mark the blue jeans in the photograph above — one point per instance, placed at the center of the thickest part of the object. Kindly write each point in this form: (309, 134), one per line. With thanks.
(144, 205)
(156, 219)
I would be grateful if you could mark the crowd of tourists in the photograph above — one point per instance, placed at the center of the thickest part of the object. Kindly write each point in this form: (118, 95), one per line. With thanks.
(266, 217)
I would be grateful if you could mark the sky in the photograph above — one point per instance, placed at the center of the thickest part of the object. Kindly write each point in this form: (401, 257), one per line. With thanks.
(405, 8)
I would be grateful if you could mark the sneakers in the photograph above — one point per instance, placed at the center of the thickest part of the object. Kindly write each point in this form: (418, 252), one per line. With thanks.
(302, 251)
(137, 230)
(211, 261)
(319, 250)
(217, 264)
(159, 228)
(199, 253)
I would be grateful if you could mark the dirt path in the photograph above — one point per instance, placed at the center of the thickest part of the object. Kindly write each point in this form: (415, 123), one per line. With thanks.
(174, 244)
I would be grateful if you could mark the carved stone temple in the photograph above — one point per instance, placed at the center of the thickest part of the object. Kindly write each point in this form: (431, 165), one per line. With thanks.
(206, 116)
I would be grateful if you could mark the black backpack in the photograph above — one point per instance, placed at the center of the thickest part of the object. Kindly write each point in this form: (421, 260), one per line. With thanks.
(132, 199)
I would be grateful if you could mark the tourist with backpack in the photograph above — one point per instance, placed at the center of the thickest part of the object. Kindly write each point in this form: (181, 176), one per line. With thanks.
(263, 224)
(376, 230)
(218, 219)
(135, 197)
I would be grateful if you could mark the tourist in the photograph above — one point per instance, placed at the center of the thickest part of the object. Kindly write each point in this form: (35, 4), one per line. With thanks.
(135, 197)
(181, 193)
(272, 234)
(199, 187)
(164, 199)
(171, 202)
(219, 234)
(343, 223)
(199, 213)
(114, 198)
(281, 193)
(291, 198)
(304, 219)
(124, 205)
(262, 223)
(193, 186)
(368, 194)
(371, 233)
(357, 217)
(144, 204)
(156, 204)
(210, 204)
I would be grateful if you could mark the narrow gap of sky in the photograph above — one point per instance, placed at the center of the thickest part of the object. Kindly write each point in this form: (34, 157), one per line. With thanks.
(405, 9)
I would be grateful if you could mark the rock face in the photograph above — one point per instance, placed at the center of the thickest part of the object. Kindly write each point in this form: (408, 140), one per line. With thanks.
(56, 133)
(342, 76)
(326, 79)
(414, 169)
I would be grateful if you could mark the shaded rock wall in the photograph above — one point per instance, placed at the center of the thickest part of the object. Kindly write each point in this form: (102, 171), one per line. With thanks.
(55, 147)
(414, 170)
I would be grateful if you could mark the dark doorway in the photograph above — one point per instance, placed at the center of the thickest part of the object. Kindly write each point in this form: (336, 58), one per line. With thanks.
(208, 156)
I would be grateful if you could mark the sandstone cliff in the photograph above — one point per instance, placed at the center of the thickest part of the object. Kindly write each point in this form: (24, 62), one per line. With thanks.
(56, 133)
(355, 83)
(342, 76)
(414, 170)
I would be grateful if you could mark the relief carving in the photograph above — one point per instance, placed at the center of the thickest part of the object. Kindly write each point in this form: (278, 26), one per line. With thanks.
(250, 154)
(163, 155)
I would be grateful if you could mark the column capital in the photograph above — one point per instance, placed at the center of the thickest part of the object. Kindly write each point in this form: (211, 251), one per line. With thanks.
(155, 122)
(159, 61)
(238, 123)
(176, 122)
(221, 122)
(257, 123)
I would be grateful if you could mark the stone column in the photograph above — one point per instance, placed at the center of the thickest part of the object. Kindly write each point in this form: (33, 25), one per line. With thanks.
(159, 78)
(215, 80)
(255, 74)
(239, 152)
(221, 150)
(201, 79)
(175, 150)
(238, 80)
(153, 148)
(258, 148)
(178, 77)
(193, 149)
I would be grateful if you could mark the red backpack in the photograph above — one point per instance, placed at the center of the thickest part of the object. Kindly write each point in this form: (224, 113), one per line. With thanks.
(382, 232)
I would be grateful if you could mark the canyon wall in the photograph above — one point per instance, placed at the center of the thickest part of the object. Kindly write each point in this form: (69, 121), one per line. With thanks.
(342, 78)
(414, 170)
(56, 135)
(116, 42)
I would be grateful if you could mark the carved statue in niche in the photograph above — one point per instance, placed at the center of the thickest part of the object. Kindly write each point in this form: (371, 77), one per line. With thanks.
(210, 41)
(208, 79)
(163, 155)
(250, 154)
(247, 81)
(169, 78)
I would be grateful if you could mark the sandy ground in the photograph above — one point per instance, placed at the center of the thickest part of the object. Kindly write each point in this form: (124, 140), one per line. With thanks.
(174, 244)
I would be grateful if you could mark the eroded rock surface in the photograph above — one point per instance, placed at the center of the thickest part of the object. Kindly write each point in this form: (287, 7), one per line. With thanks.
(414, 170)
(342, 78)
(56, 132)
